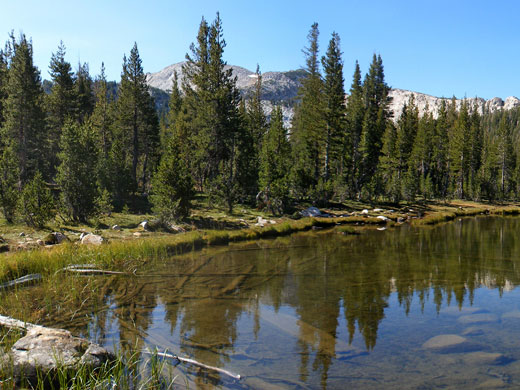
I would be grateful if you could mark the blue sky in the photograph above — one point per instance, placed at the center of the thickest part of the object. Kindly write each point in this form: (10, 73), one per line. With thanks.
(443, 48)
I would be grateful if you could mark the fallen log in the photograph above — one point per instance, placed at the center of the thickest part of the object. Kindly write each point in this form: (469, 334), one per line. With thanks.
(9, 322)
(194, 362)
(23, 280)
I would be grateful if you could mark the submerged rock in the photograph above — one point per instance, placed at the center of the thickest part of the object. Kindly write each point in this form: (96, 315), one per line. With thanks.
(450, 343)
(477, 318)
(486, 358)
(455, 310)
(513, 315)
(42, 351)
(473, 331)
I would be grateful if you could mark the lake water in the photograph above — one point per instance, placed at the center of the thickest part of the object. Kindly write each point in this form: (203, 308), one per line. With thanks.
(404, 308)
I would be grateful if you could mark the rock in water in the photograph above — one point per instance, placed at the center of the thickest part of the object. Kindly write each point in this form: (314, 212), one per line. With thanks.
(449, 343)
(477, 318)
(92, 239)
(42, 351)
(486, 358)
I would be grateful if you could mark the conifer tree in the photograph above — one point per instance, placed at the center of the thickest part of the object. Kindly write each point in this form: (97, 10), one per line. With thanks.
(375, 120)
(24, 120)
(419, 177)
(172, 186)
(476, 140)
(308, 133)
(102, 120)
(256, 126)
(137, 121)
(84, 91)
(76, 174)
(36, 202)
(440, 161)
(505, 156)
(389, 164)
(354, 117)
(460, 151)
(9, 182)
(61, 104)
(3, 84)
(212, 117)
(275, 162)
(334, 112)
(174, 111)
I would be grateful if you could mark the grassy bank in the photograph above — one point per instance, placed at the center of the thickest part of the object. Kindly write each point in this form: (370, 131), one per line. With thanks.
(128, 254)
(127, 249)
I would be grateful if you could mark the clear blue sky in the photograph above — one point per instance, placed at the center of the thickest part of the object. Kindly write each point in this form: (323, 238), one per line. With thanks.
(443, 48)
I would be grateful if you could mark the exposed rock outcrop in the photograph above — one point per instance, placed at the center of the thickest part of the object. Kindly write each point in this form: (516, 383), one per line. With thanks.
(282, 88)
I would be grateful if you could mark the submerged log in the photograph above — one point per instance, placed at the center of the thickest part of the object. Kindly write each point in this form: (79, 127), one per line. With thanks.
(195, 363)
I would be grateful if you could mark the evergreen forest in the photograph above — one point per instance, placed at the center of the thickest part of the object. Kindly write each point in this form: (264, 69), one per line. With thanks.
(78, 145)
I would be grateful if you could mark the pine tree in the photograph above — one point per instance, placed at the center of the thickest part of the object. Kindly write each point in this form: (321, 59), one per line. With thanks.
(419, 178)
(354, 117)
(275, 162)
(256, 126)
(375, 121)
(24, 117)
(102, 120)
(84, 91)
(9, 177)
(137, 120)
(460, 151)
(212, 117)
(334, 96)
(505, 156)
(308, 133)
(476, 140)
(3, 85)
(36, 202)
(406, 132)
(389, 164)
(174, 111)
(440, 161)
(76, 173)
(61, 104)
(172, 186)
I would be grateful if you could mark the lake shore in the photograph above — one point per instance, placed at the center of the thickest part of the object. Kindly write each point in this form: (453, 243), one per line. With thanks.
(126, 241)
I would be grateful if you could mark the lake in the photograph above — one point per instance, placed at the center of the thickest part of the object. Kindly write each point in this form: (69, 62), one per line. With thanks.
(404, 308)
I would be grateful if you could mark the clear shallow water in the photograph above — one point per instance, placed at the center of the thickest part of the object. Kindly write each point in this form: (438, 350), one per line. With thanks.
(320, 310)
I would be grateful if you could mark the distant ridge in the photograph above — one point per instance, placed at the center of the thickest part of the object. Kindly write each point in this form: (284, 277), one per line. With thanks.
(282, 88)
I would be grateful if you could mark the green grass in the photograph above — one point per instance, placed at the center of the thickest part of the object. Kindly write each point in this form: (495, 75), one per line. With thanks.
(128, 371)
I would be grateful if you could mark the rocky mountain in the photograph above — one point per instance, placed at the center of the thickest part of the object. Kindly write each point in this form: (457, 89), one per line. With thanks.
(282, 88)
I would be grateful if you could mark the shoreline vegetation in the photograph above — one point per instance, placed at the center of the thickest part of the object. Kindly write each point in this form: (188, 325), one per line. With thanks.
(126, 248)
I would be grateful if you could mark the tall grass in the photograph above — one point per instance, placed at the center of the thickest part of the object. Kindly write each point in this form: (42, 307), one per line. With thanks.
(128, 254)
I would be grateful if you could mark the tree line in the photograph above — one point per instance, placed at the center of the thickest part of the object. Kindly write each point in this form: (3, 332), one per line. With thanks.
(86, 147)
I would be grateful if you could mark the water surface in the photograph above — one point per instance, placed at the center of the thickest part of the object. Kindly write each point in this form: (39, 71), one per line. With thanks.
(320, 310)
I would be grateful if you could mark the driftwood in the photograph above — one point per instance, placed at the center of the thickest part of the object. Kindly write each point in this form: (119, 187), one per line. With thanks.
(194, 362)
(23, 280)
(10, 323)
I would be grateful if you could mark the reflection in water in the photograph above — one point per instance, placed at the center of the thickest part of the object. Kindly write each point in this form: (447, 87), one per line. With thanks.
(305, 311)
